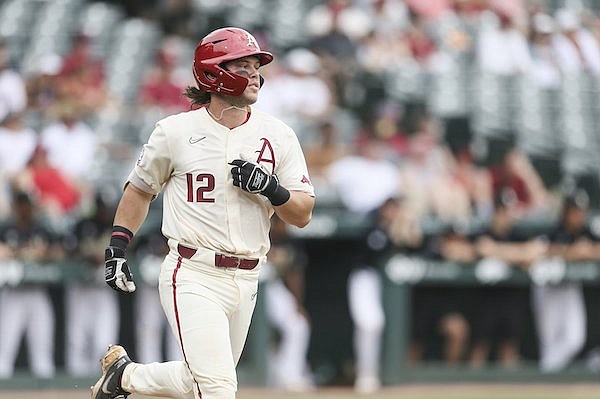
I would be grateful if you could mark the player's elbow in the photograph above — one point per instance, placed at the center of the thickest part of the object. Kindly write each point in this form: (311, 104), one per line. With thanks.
(304, 222)
(298, 220)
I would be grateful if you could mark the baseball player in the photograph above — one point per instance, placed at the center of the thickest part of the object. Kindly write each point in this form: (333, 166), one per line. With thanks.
(223, 168)
(559, 308)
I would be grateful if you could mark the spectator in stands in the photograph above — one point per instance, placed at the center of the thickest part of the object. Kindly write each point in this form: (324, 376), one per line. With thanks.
(559, 309)
(577, 49)
(388, 16)
(162, 88)
(501, 310)
(56, 196)
(333, 30)
(152, 327)
(17, 143)
(338, 18)
(82, 77)
(178, 17)
(13, 96)
(378, 53)
(320, 154)
(284, 301)
(88, 333)
(26, 310)
(419, 40)
(502, 47)
(544, 62)
(325, 150)
(388, 233)
(42, 89)
(365, 179)
(514, 172)
(74, 161)
(298, 94)
(432, 178)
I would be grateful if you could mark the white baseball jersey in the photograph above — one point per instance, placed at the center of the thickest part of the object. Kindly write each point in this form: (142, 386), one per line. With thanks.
(187, 156)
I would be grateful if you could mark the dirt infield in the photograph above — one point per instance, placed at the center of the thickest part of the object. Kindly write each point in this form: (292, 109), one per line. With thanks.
(421, 391)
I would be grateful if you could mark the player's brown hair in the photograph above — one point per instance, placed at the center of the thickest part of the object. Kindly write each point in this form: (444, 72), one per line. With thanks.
(197, 96)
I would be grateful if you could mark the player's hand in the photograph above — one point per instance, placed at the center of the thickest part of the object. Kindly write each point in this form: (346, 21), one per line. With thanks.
(254, 179)
(116, 272)
(251, 177)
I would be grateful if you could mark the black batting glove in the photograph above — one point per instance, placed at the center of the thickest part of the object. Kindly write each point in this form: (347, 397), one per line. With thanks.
(254, 179)
(116, 272)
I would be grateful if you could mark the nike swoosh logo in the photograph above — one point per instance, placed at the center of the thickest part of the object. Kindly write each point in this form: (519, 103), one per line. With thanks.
(194, 140)
(105, 384)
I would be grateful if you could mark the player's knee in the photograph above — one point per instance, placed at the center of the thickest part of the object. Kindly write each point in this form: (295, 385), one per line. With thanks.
(370, 322)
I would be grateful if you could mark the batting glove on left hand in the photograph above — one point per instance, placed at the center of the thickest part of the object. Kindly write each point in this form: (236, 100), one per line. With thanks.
(254, 179)
(116, 272)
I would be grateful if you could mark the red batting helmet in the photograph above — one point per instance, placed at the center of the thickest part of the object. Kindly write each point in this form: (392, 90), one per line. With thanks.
(218, 47)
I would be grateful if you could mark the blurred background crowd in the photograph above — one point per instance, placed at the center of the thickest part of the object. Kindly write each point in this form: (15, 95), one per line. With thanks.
(439, 124)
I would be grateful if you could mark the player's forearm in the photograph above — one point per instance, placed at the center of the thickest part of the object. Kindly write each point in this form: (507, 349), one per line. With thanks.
(297, 210)
(132, 209)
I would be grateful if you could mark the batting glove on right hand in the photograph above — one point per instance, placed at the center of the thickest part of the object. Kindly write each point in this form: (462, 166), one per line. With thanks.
(116, 272)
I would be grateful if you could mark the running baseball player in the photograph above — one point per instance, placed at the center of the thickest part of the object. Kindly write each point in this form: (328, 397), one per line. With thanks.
(223, 168)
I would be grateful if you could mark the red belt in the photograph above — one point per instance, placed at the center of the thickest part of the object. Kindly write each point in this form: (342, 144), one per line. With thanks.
(220, 259)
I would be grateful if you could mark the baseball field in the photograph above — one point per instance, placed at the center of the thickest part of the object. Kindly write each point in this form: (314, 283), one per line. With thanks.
(436, 391)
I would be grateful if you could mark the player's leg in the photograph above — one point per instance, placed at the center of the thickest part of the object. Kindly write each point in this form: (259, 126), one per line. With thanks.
(576, 325)
(366, 311)
(455, 330)
(290, 363)
(78, 318)
(239, 324)
(40, 333)
(197, 300)
(105, 322)
(560, 338)
(13, 302)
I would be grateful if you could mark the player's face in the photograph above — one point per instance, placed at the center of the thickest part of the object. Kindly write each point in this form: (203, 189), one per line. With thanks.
(248, 68)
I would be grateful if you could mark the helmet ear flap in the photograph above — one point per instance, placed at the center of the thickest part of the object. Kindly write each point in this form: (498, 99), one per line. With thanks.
(262, 80)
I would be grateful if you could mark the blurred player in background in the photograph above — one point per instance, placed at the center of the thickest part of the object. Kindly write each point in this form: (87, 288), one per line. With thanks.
(559, 309)
(284, 298)
(26, 309)
(89, 332)
(225, 168)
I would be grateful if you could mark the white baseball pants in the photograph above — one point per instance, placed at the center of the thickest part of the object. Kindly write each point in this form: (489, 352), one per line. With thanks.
(209, 309)
(92, 324)
(27, 310)
(366, 311)
(560, 317)
(290, 365)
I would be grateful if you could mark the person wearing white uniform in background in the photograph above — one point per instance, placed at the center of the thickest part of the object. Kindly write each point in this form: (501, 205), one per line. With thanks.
(17, 144)
(224, 168)
(89, 332)
(26, 309)
(390, 231)
(559, 309)
(13, 95)
(577, 50)
(284, 301)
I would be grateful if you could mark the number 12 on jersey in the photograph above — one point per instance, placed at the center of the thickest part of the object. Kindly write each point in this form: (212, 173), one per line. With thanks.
(206, 184)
